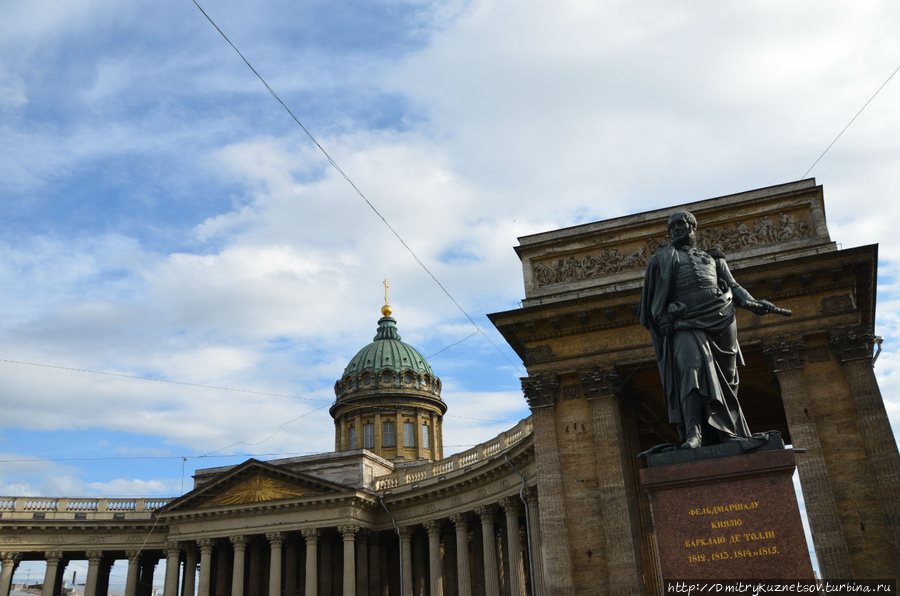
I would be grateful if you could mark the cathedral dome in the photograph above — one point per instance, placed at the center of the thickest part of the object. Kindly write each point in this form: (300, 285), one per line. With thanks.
(387, 352)
(388, 400)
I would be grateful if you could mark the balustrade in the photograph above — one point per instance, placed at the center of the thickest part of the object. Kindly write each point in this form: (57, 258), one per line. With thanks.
(479, 454)
(62, 508)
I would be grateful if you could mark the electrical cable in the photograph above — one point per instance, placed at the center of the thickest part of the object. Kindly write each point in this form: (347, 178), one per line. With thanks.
(849, 123)
(340, 171)
(140, 378)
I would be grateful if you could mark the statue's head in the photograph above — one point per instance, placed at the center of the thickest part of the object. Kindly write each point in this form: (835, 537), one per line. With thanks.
(682, 228)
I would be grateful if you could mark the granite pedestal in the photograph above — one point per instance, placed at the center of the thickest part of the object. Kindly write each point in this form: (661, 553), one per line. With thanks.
(732, 517)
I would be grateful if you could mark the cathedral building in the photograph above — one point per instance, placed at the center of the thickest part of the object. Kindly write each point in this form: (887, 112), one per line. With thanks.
(553, 506)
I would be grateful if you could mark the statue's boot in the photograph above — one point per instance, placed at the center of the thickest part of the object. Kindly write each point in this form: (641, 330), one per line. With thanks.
(693, 431)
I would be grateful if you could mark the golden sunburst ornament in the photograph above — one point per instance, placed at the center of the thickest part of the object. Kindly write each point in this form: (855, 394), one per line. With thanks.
(257, 489)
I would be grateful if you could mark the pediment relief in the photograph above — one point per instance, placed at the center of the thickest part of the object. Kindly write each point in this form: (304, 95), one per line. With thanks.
(257, 489)
(781, 226)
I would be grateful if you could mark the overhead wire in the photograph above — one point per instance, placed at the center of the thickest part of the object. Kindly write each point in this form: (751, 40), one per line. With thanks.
(843, 130)
(157, 380)
(356, 189)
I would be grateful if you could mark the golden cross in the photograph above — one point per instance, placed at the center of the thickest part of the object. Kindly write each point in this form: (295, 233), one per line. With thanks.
(386, 286)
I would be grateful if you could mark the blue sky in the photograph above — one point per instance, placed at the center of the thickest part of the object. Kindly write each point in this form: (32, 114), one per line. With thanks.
(165, 218)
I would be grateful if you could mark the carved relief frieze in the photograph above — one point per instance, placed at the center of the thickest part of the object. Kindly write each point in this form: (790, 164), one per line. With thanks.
(570, 392)
(538, 354)
(729, 238)
(832, 305)
(817, 354)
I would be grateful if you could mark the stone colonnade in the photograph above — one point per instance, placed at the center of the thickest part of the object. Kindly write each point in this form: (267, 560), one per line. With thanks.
(481, 551)
(139, 579)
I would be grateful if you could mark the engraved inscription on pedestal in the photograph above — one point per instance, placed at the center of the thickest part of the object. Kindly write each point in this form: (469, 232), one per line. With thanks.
(728, 518)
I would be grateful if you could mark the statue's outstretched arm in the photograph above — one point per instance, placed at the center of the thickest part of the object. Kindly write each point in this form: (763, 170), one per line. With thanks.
(743, 298)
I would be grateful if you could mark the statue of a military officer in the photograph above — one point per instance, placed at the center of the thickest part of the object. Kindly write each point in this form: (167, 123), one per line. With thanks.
(688, 305)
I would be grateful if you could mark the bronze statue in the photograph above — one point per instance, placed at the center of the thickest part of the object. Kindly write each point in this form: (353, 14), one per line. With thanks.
(688, 305)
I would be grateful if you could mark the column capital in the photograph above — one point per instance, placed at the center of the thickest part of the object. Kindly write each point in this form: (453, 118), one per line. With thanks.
(94, 556)
(9, 557)
(541, 391)
(405, 532)
(172, 549)
(206, 544)
(600, 382)
(510, 504)
(348, 531)
(852, 343)
(310, 534)
(785, 353)
(487, 513)
(275, 538)
(239, 542)
(53, 556)
(433, 526)
(460, 520)
(531, 495)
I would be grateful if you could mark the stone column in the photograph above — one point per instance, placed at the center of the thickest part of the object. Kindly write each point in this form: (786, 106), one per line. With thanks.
(134, 570)
(435, 571)
(491, 581)
(93, 574)
(237, 568)
(362, 560)
(622, 547)
(399, 433)
(190, 570)
(853, 347)
(785, 357)
(50, 575)
(206, 549)
(312, 565)
(7, 566)
(542, 393)
(406, 582)
(535, 547)
(516, 564)
(276, 539)
(173, 557)
(463, 573)
(349, 535)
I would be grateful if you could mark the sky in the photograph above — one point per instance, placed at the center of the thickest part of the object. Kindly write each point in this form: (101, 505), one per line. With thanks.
(184, 275)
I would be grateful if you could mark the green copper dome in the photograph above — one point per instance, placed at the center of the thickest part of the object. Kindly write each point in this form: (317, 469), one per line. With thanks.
(387, 352)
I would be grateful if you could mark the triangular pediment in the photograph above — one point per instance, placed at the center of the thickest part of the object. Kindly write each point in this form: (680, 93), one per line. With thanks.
(251, 483)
